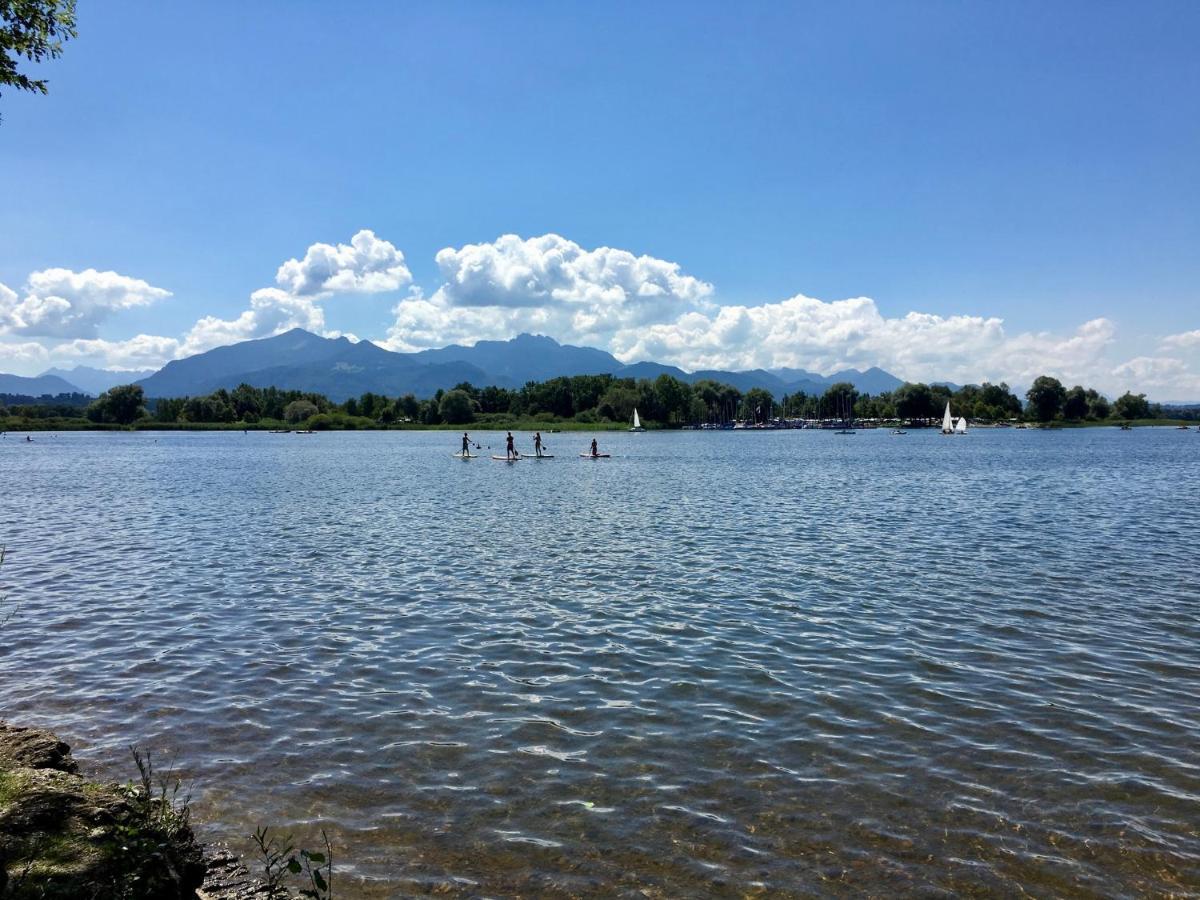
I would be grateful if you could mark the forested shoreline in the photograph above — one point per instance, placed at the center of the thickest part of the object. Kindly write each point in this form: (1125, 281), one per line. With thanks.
(581, 401)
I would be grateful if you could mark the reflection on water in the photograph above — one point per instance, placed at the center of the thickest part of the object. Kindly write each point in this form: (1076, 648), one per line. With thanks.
(716, 664)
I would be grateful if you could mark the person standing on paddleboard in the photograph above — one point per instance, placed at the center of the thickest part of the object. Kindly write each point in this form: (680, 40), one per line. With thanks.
(511, 450)
(466, 450)
(537, 443)
(595, 449)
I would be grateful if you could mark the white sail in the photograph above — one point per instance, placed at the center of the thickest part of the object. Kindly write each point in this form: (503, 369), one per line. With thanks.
(962, 426)
(637, 423)
(947, 421)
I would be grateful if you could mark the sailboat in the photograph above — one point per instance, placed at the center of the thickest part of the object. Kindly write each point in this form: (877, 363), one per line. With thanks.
(961, 427)
(947, 421)
(637, 423)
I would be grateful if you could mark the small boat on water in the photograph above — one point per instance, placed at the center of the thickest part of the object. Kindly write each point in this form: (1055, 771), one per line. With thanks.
(961, 427)
(637, 422)
(947, 421)
(280, 431)
(899, 431)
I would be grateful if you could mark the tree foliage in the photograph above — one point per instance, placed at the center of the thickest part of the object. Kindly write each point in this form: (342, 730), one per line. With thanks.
(1131, 406)
(1046, 397)
(456, 407)
(299, 411)
(36, 31)
(123, 404)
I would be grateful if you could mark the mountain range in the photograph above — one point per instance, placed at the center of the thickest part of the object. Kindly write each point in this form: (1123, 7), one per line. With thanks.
(340, 368)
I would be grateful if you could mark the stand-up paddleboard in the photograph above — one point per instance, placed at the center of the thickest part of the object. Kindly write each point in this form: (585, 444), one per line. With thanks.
(595, 455)
(461, 455)
(506, 458)
(543, 456)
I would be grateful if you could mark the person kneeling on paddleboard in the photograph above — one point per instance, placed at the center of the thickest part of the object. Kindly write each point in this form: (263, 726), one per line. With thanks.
(537, 443)
(511, 450)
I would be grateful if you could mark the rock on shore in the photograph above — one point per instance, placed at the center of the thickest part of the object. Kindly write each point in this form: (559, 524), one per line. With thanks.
(63, 836)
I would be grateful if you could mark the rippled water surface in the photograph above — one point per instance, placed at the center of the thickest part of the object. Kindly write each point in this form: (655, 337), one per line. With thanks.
(727, 664)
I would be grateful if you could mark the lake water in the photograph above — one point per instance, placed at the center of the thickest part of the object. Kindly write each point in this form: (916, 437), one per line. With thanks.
(717, 664)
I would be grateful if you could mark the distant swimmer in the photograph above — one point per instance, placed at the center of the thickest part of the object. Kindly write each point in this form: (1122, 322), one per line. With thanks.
(466, 450)
(29, 438)
(537, 443)
(510, 450)
(595, 448)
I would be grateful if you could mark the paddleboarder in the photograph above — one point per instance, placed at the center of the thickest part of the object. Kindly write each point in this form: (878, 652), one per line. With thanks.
(537, 443)
(510, 449)
(466, 450)
(595, 448)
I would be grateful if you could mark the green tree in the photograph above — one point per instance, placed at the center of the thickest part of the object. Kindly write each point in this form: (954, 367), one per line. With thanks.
(123, 404)
(913, 401)
(35, 30)
(756, 407)
(1075, 404)
(618, 402)
(299, 411)
(456, 407)
(1046, 398)
(409, 407)
(246, 403)
(1131, 406)
(838, 401)
(213, 408)
(1099, 407)
(673, 398)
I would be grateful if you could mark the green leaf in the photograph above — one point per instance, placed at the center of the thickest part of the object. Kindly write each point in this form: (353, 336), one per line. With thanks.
(315, 857)
(293, 866)
(319, 880)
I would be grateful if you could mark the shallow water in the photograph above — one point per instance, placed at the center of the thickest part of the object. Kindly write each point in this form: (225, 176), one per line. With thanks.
(718, 664)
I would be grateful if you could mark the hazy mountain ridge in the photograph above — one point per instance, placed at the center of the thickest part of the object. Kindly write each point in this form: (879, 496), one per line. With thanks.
(340, 369)
(95, 381)
(37, 386)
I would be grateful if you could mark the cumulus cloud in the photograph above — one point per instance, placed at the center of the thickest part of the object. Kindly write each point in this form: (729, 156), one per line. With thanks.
(1187, 340)
(271, 311)
(61, 303)
(143, 351)
(640, 307)
(547, 284)
(367, 265)
(22, 357)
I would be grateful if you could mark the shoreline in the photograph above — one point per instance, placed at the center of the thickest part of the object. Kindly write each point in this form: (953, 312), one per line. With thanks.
(527, 425)
(66, 834)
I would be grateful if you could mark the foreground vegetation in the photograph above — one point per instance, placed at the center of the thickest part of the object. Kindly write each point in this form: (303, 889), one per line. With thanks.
(582, 402)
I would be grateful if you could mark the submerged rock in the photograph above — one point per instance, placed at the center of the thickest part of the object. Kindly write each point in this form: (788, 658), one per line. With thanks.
(63, 836)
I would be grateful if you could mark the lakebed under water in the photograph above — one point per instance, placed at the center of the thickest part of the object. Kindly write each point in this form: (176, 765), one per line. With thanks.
(717, 664)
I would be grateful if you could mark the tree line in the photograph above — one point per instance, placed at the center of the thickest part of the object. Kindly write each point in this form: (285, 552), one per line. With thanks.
(592, 399)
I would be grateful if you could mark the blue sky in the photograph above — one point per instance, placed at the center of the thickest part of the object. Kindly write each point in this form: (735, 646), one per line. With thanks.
(1032, 163)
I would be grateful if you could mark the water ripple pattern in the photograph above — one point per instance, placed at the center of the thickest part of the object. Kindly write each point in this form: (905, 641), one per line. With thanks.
(729, 665)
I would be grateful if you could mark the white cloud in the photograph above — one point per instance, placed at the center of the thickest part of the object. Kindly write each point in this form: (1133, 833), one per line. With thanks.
(639, 307)
(22, 358)
(546, 284)
(1162, 377)
(60, 303)
(367, 265)
(143, 351)
(271, 311)
(1187, 340)
(820, 336)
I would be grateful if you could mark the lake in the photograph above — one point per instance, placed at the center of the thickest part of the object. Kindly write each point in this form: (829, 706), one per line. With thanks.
(718, 664)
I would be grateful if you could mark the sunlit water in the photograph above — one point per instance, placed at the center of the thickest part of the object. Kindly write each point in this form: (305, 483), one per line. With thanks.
(718, 664)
